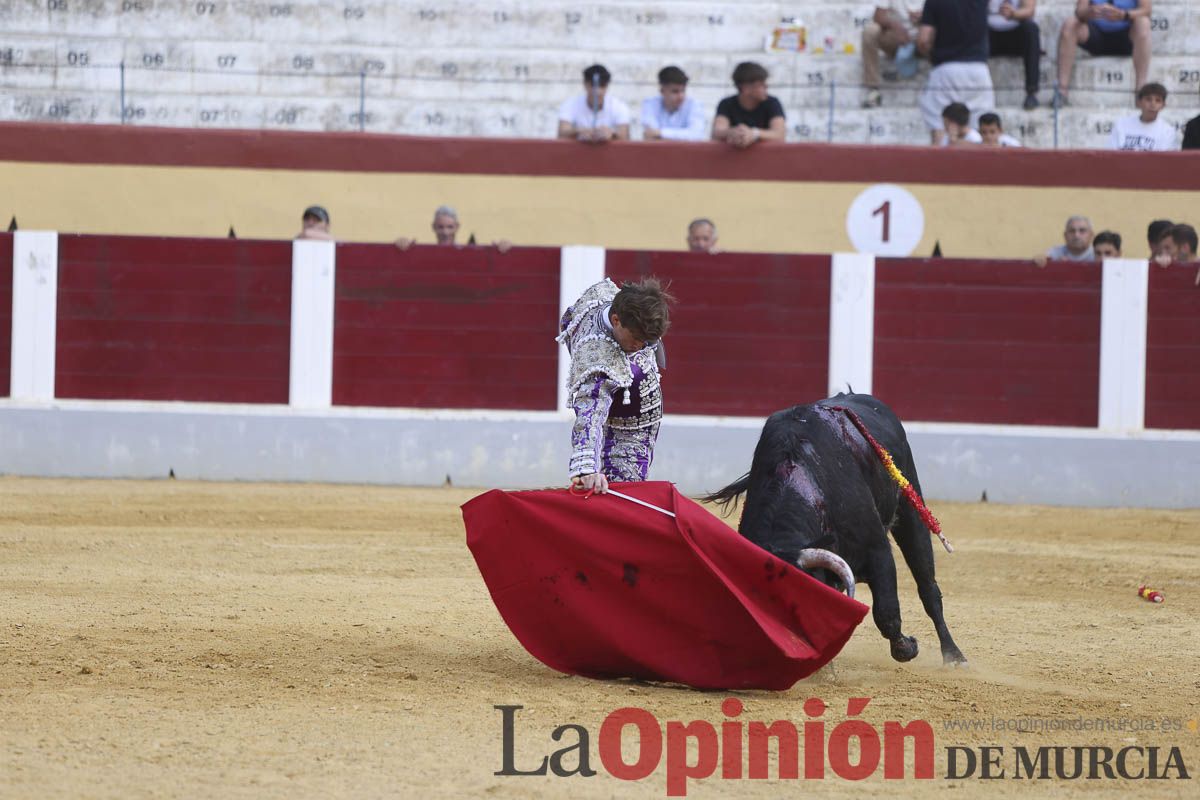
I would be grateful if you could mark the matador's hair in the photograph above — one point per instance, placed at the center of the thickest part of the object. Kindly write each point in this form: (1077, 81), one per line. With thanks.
(643, 308)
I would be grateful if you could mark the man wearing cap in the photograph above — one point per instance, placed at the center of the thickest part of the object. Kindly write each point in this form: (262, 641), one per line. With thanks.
(315, 224)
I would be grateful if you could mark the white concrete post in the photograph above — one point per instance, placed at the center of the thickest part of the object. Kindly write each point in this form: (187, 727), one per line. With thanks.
(1123, 314)
(310, 382)
(581, 267)
(34, 315)
(851, 322)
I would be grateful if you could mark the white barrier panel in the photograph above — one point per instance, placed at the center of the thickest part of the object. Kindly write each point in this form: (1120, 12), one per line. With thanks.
(34, 315)
(581, 267)
(1123, 314)
(851, 322)
(310, 380)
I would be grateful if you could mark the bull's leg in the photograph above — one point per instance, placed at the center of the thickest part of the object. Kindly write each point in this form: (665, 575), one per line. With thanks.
(885, 604)
(916, 544)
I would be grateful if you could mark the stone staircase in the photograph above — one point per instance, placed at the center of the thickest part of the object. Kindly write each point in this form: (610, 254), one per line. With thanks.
(471, 68)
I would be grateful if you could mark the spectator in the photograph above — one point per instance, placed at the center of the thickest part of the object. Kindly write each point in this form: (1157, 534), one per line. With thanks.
(1145, 131)
(673, 115)
(992, 132)
(894, 26)
(1013, 32)
(1178, 246)
(954, 34)
(314, 224)
(445, 230)
(750, 115)
(956, 121)
(702, 236)
(591, 116)
(1104, 28)
(1107, 244)
(1155, 233)
(1077, 242)
(1191, 134)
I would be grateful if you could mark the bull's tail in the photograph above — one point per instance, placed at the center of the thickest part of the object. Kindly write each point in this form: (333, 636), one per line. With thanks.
(727, 498)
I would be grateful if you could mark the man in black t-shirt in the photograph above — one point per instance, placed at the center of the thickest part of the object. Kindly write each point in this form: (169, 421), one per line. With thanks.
(1191, 134)
(751, 115)
(954, 34)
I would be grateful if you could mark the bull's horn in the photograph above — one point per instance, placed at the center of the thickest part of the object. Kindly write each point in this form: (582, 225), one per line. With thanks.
(816, 558)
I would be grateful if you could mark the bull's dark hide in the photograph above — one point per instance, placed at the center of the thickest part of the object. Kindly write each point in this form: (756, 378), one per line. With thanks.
(815, 481)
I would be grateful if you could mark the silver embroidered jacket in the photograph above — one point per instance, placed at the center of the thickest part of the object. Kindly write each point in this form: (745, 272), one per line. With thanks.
(615, 395)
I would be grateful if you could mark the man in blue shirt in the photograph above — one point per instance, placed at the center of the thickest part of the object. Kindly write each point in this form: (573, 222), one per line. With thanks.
(1105, 28)
(673, 115)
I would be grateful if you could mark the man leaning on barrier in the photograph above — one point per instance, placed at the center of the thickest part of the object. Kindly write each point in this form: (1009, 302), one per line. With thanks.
(445, 230)
(671, 114)
(314, 224)
(752, 115)
(593, 116)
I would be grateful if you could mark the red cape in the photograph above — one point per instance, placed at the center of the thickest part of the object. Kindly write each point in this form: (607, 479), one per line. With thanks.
(605, 588)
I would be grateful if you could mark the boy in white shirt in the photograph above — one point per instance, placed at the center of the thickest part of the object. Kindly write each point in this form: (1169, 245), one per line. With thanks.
(593, 117)
(1145, 131)
(992, 132)
(956, 120)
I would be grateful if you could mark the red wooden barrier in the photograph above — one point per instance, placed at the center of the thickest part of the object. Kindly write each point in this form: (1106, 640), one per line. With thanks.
(988, 341)
(438, 327)
(6, 279)
(145, 318)
(955, 341)
(750, 333)
(1173, 348)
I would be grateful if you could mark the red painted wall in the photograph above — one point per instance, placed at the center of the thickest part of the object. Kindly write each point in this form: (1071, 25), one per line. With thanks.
(145, 318)
(955, 341)
(359, 152)
(1173, 348)
(6, 254)
(436, 327)
(988, 341)
(749, 333)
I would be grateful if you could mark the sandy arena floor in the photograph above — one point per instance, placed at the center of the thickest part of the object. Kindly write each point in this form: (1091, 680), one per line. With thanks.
(172, 639)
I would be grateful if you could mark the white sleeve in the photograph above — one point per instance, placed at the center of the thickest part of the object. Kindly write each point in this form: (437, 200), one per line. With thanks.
(649, 118)
(620, 112)
(696, 130)
(566, 111)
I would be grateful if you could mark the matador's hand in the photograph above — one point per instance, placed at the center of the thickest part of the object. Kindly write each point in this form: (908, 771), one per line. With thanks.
(596, 482)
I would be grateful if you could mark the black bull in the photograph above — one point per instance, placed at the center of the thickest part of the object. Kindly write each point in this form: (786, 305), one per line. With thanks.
(816, 485)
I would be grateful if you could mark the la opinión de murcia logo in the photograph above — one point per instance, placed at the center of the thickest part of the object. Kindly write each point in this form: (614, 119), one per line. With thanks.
(809, 751)
(724, 750)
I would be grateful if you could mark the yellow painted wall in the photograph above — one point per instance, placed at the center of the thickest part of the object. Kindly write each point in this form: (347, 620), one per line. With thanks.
(998, 222)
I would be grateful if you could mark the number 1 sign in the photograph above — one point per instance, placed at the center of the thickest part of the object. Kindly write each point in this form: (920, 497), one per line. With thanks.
(885, 220)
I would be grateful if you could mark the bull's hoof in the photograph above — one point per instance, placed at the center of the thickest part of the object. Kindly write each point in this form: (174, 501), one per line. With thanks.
(904, 648)
(954, 658)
